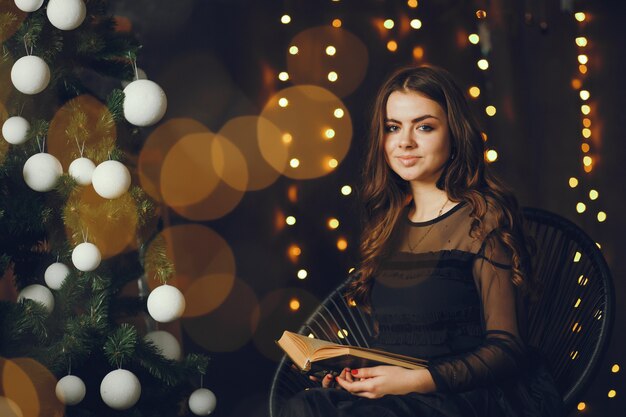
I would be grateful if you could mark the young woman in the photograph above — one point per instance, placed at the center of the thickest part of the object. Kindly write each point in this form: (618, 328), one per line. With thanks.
(445, 269)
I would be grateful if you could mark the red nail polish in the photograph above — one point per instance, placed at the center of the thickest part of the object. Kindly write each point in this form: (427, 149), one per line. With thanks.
(354, 371)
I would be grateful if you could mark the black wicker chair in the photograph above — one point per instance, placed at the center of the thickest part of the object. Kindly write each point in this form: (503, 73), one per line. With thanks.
(570, 324)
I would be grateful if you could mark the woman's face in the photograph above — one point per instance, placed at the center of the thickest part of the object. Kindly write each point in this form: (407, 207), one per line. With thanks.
(417, 137)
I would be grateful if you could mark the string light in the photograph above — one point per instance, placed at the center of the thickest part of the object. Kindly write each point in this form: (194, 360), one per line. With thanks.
(342, 244)
(474, 92)
(585, 109)
(601, 216)
(581, 406)
(491, 155)
(416, 24)
(581, 207)
(412, 3)
(287, 138)
(392, 46)
(490, 110)
(615, 368)
(294, 163)
(581, 41)
(294, 304)
(330, 50)
(336, 23)
(388, 24)
(285, 19)
(283, 76)
(346, 190)
(481, 14)
(290, 220)
(586, 132)
(593, 195)
(573, 182)
(338, 113)
(580, 16)
(584, 94)
(483, 64)
(612, 393)
(333, 223)
(333, 163)
(302, 274)
(474, 38)
(329, 134)
(584, 147)
(577, 256)
(583, 59)
(332, 76)
(283, 102)
(293, 50)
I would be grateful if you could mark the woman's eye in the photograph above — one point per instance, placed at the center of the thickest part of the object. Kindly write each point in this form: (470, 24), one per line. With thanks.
(425, 128)
(391, 128)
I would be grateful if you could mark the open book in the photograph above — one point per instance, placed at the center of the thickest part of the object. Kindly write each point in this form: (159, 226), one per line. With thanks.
(306, 352)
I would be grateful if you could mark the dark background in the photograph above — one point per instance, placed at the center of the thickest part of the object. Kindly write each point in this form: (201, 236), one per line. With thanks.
(219, 59)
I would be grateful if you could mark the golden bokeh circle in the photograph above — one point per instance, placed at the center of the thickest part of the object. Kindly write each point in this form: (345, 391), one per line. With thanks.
(230, 326)
(187, 177)
(111, 225)
(207, 293)
(307, 119)
(31, 386)
(196, 252)
(244, 132)
(229, 163)
(81, 120)
(276, 314)
(8, 408)
(156, 148)
(311, 65)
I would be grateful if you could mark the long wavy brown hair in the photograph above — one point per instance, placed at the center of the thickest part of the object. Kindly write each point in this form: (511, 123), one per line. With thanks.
(466, 177)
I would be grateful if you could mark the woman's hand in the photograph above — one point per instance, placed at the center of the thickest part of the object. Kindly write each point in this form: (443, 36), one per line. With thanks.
(330, 382)
(378, 381)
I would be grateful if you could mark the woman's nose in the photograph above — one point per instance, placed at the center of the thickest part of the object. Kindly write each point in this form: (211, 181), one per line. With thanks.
(407, 141)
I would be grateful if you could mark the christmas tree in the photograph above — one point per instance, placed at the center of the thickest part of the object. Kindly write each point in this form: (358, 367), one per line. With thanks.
(77, 237)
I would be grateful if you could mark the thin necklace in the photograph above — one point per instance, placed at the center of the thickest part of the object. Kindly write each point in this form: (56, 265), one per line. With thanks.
(413, 247)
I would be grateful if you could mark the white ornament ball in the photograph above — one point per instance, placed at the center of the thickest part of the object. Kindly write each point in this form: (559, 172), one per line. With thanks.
(111, 179)
(15, 130)
(120, 389)
(141, 75)
(30, 74)
(86, 257)
(42, 171)
(38, 293)
(70, 390)
(81, 170)
(28, 5)
(66, 14)
(166, 303)
(144, 102)
(202, 402)
(166, 343)
(55, 275)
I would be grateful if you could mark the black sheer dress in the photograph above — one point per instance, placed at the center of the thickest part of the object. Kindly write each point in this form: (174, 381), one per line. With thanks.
(447, 296)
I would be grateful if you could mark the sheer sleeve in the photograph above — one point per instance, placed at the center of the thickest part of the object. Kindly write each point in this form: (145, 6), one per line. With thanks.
(502, 352)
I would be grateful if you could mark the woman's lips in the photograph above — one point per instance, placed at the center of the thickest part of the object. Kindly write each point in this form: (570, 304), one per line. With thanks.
(408, 161)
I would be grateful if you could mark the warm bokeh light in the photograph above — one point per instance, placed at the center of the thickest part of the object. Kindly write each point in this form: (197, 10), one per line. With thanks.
(612, 393)
(582, 69)
(587, 122)
(418, 53)
(346, 190)
(615, 368)
(586, 132)
(576, 84)
(581, 207)
(577, 303)
(490, 110)
(333, 76)
(311, 109)
(245, 133)
(601, 216)
(392, 46)
(285, 19)
(333, 163)
(338, 113)
(483, 64)
(283, 76)
(481, 14)
(342, 334)
(588, 168)
(333, 223)
(283, 102)
(416, 24)
(585, 147)
(474, 91)
(577, 256)
(302, 274)
(587, 161)
(329, 133)
(331, 50)
(412, 3)
(581, 41)
(585, 109)
(580, 16)
(294, 252)
(388, 24)
(336, 23)
(294, 304)
(293, 50)
(584, 94)
(484, 136)
(491, 155)
(474, 38)
(583, 59)
(342, 244)
(581, 406)
(290, 220)
(573, 182)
